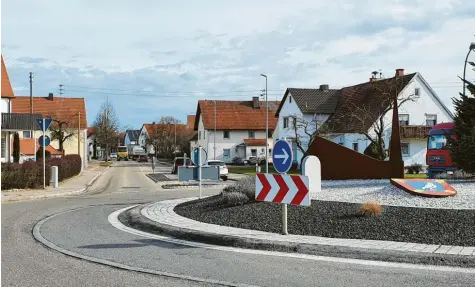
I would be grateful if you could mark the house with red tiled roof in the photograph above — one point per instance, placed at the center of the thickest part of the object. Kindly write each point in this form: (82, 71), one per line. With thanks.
(12, 122)
(68, 115)
(352, 114)
(151, 131)
(235, 130)
(27, 150)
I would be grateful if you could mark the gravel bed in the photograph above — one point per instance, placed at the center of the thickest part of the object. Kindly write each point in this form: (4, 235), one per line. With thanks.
(383, 192)
(341, 220)
(158, 177)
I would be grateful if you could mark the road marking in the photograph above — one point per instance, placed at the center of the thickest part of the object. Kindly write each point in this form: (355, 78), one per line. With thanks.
(37, 235)
(114, 220)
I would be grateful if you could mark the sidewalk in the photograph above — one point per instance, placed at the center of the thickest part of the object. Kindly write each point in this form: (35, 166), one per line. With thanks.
(70, 186)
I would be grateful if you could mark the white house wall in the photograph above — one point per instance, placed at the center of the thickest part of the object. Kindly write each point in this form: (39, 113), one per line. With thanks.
(6, 105)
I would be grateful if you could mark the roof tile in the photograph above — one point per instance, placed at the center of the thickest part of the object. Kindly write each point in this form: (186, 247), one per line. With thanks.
(63, 109)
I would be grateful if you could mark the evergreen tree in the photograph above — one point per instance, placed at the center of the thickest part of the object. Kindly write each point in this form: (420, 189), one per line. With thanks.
(16, 148)
(463, 148)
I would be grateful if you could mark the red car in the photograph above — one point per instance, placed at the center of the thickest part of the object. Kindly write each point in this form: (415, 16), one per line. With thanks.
(179, 162)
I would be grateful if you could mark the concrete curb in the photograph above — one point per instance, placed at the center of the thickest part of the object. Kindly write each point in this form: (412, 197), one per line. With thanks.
(135, 219)
(51, 195)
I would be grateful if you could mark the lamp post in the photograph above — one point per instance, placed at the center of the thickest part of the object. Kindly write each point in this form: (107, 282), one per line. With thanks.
(214, 140)
(267, 129)
(471, 48)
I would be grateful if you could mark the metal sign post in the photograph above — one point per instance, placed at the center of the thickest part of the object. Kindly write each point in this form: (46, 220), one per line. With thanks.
(44, 124)
(199, 169)
(282, 160)
(153, 164)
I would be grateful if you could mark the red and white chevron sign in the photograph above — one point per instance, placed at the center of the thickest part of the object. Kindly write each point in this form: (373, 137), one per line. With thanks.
(279, 188)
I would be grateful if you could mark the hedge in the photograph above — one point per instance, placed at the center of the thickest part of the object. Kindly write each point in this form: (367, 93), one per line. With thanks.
(30, 173)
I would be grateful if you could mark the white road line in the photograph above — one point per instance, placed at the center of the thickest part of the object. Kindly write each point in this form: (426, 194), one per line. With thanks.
(114, 220)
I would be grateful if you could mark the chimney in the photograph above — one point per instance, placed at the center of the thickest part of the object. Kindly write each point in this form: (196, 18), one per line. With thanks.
(324, 87)
(50, 96)
(399, 72)
(255, 103)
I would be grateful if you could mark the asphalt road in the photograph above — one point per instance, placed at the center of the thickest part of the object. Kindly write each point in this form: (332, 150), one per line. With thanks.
(84, 229)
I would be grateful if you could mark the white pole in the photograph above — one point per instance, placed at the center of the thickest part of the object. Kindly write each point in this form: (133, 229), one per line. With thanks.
(267, 132)
(44, 155)
(284, 217)
(199, 168)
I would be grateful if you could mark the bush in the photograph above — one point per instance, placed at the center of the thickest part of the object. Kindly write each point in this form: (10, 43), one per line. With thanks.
(458, 174)
(370, 208)
(30, 173)
(246, 186)
(233, 198)
(39, 154)
(415, 168)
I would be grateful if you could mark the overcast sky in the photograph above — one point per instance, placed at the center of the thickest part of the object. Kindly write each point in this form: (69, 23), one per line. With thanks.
(156, 58)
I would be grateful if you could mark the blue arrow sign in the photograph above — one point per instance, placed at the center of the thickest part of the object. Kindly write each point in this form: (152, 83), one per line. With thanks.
(282, 156)
(47, 123)
(47, 140)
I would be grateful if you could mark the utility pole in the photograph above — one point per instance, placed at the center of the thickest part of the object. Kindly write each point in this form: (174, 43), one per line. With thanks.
(107, 132)
(32, 132)
(61, 89)
(214, 141)
(267, 128)
(79, 133)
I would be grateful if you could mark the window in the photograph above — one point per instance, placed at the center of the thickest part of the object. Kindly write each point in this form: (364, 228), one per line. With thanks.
(403, 120)
(122, 149)
(431, 120)
(294, 122)
(417, 92)
(199, 135)
(253, 152)
(226, 153)
(286, 122)
(405, 149)
(252, 134)
(226, 134)
(270, 151)
(355, 146)
(438, 142)
(4, 144)
(290, 99)
(27, 134)
(263, 150)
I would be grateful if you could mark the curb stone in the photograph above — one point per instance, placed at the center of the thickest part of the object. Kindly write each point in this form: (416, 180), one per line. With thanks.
(135, 219)
(46, 195)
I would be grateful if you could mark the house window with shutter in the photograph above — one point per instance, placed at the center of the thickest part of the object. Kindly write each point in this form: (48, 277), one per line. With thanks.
(431, 120)
(403, 119)
(286, 122)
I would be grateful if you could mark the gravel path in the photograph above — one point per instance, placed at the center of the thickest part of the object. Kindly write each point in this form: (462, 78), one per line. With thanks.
(341, 220)
(381, 191)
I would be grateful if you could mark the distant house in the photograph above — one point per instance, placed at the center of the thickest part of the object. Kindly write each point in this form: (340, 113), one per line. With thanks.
(27, 150)
(240, 128)
(70, 112)
(132, 137)
(150, 131)
(12, 122)
(350, 112)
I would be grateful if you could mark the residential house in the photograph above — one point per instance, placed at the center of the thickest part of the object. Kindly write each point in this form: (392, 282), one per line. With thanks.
(234, 129)
(11, 122)
(149, 130)
(71, 112)
(28, 151)
(350, 112)
(194, 135)
(91, 143)
(132, 139)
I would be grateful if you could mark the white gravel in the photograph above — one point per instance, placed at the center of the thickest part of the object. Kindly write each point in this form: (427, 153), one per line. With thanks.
(383, 192)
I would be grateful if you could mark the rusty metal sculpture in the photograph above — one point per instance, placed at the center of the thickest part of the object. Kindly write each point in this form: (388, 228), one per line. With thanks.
(339, 162)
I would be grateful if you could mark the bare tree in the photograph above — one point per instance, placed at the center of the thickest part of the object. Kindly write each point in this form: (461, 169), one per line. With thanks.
(169, 136)
(304, 130)
(63, 128)
(373, 114)
(107, 127)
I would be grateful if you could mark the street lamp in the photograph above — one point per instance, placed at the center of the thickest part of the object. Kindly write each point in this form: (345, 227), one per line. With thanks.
(470, 49)
(267, 129)
(214, 144)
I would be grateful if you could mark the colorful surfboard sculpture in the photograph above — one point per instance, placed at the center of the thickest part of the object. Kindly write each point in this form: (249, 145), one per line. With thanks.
(425, 187)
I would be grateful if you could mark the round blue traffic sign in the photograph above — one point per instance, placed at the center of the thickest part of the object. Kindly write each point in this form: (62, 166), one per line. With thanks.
(47, 140)
(282, 156)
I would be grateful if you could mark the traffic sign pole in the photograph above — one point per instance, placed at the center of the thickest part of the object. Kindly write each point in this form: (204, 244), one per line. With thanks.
(44, 155)
(199, 168)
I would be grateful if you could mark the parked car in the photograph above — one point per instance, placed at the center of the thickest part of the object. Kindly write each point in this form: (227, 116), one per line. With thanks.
(113, 155)
(178, 161)
(223, 169)
(254, 159)
(142, 158)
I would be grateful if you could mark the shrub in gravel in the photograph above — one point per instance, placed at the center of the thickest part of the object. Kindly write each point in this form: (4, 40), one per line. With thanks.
(415, 168)
(233, 198)
(458, 174)
(370, 208)
(246, 186)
